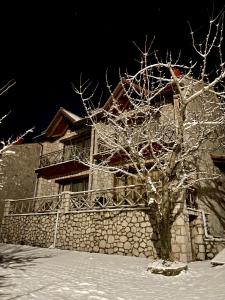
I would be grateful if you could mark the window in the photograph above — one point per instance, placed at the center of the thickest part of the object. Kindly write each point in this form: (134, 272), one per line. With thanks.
(220, 165)
(79, 185)
(75, 185)
(191, 196)
(78, 200)
(124, 180)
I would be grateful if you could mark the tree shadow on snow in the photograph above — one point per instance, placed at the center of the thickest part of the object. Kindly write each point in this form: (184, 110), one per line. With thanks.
(17, 257)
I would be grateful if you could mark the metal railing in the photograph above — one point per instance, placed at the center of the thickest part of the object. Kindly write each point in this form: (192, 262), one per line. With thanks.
(132, 196)
(67, 154)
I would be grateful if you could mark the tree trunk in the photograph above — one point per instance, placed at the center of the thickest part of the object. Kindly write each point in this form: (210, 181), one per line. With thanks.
(165, 239)
(165, 223)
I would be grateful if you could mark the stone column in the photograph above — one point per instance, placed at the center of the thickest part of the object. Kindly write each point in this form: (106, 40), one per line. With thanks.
(180, 240)
(6, 208)
(198, 238)
(65, 204)
(180, 235)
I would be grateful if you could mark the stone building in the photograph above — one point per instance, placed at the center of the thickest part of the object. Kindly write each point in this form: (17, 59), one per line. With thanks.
(19, 178)
(79, 209)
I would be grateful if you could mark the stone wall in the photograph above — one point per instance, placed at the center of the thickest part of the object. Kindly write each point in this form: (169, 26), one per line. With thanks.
(49, 146)
(203, 247)
(211, 198)
(19, 177)
(31, 230)
(124, 233)
(46, 187)
(213, 247)
(102, 180)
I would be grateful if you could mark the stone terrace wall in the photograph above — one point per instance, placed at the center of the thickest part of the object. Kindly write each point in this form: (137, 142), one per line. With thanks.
(28, 230)
(214, 247)
(202, 247)
(124, 233)
(109, 232)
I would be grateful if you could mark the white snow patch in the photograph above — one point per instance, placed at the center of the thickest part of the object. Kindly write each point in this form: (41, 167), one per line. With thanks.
(85, 284)
(55, 274)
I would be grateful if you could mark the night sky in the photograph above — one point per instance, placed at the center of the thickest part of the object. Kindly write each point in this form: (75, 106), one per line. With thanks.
(45, 48)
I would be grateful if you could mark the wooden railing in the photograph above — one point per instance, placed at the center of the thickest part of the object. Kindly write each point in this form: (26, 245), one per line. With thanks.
(33, 205)
(67, 154)
(132, 196)
(118, 197)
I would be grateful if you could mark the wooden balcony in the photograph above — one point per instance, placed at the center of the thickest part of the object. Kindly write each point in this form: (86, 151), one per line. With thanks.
(62, 162)
(116, 156)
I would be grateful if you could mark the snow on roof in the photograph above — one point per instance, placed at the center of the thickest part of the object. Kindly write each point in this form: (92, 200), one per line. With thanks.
(62, 111)
(70, 114)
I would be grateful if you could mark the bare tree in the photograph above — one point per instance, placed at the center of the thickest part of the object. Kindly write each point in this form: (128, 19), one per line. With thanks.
(161, 127)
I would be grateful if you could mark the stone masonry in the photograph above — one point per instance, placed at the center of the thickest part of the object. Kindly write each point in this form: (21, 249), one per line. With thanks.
(19, 176)
(111, 232)
(213, 247)
(124, 233)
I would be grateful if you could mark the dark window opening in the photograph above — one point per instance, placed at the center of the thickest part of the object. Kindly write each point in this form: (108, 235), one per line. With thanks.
(79, 186)
(220, 166)
(191, 199)
(75, 185)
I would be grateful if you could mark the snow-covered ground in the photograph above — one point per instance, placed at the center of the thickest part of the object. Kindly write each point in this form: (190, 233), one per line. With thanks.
(52, 274)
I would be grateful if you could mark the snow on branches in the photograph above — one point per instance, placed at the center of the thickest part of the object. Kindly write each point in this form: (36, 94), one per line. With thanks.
(161, 124)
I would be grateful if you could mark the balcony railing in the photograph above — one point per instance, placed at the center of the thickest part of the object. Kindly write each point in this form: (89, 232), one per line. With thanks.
(33, 205)
(118, 197)
(124, 197)
(67, 154)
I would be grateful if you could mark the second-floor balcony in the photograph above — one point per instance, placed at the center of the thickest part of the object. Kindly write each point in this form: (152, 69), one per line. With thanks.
(62, 161)
(67, 154)
(121, 154)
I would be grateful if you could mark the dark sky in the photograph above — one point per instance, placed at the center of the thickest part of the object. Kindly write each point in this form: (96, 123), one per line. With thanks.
(46, 47)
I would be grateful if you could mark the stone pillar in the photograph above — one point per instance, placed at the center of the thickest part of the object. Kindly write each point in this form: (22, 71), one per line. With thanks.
(180, 242)
(198, 238)
(6, 208)
(180, 235)
(65, 204)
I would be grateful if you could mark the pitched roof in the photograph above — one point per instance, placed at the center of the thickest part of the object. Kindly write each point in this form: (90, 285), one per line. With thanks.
(59, 124)
(116, 94)
(120, 93)
(74, 118)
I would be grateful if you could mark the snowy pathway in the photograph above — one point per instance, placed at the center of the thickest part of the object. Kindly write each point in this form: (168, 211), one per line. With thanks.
(28, 273)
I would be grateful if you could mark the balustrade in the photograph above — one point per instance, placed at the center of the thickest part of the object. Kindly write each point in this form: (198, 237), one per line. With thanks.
(67, 154)
(123, 197)
(34, 205)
